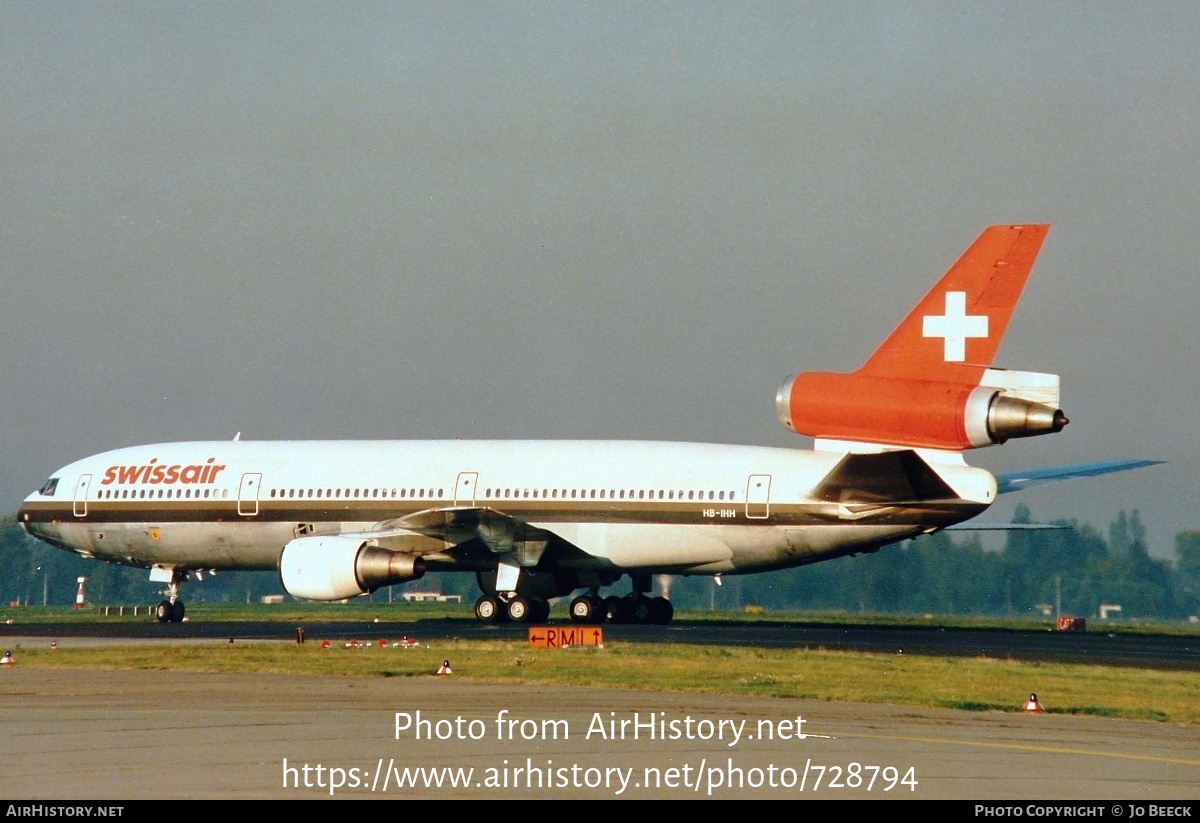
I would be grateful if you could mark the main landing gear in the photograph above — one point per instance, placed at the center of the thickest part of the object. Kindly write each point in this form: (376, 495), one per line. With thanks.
(492, 608)
(170, 610)
(590, 608)
(635, 607)
(632, 608)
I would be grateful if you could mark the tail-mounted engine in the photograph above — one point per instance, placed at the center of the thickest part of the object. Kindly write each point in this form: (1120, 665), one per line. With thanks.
(337, 567)
(921, 413)
(930, 385)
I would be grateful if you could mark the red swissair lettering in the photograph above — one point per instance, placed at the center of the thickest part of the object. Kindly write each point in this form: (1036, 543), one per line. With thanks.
(155, 473)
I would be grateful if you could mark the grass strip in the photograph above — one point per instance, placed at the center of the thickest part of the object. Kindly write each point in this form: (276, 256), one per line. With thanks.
(973, 684)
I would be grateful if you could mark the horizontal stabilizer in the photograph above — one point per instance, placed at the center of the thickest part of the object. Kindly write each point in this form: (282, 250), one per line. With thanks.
(886, 477)
(1006, 527)
(1015, 481)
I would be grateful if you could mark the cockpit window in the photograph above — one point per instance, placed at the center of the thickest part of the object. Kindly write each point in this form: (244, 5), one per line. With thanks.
(49, 486)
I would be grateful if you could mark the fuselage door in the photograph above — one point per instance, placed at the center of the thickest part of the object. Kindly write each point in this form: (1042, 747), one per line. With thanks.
(464, 489)
(248, 493)
(758, 496)
(81, 493)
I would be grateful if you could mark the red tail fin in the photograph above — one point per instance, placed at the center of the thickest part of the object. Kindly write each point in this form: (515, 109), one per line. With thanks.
(930, 384)
(953, 333)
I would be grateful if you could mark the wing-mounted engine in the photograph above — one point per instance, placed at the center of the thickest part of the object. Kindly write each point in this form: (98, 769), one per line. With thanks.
(337, 567)
(931, 385)
(921, 413)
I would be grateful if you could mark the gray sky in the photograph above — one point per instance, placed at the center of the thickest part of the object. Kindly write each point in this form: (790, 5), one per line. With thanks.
(609, 220)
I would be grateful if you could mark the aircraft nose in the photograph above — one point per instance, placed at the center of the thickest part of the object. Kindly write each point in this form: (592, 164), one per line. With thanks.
(30, 526)
(46, 531)
(31, 523)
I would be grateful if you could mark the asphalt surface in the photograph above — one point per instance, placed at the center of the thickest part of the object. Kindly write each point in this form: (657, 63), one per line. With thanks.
(1175, 652)
(112, 736)
(105, 735)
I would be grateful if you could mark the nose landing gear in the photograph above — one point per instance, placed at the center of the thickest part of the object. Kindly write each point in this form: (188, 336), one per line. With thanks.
(170, 610)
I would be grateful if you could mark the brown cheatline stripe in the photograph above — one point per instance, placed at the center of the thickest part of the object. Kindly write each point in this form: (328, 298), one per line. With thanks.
(637, 513)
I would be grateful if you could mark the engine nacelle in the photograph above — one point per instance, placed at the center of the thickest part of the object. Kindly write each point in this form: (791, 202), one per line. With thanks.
(336, 567)
(920, 413)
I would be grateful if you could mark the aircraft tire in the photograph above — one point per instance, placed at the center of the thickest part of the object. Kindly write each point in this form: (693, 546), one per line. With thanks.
(488, 609)
(661, 611)
(177, 611)
(614, 610)
(163, 612)
(520, 610)
(540, 610)
(587, 609)
(640, 610)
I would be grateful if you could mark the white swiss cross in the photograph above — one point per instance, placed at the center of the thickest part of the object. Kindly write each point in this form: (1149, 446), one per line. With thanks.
(955, 326)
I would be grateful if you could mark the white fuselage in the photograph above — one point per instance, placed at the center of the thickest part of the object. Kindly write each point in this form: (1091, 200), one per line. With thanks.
(618, 505)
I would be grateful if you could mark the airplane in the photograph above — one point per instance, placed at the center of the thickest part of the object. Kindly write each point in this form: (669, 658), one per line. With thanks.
(536, 520)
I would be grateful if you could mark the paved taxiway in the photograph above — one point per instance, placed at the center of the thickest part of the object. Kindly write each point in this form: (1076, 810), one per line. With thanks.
(1179, 651)
(155, 734)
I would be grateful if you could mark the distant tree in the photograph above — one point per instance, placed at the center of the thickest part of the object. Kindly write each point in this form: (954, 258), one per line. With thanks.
(1126, 531)
(1187, 570)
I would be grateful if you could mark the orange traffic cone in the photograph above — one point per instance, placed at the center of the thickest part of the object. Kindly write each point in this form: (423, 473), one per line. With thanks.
(1032, 706)
(445, 669)
(324, 644)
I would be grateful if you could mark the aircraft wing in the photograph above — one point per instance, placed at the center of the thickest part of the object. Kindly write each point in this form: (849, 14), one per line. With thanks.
(1015, 481)
(501, 533)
